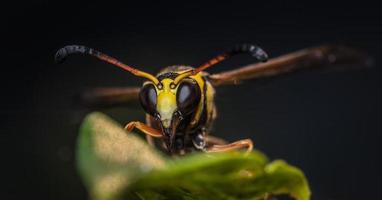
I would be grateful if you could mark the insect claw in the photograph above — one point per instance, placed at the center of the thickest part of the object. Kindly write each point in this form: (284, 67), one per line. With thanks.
(130, 126)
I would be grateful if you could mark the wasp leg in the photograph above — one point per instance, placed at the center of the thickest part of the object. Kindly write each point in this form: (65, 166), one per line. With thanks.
(151, 122)
(212, 140)
(246, 143)
(199, 141)
(144, 128)
(202, 140)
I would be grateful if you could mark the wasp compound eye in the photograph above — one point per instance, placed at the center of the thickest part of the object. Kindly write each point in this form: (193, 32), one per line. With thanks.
(148, 99)
(187, 97)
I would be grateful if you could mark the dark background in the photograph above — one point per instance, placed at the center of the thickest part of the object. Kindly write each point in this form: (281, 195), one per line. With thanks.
(328, 124)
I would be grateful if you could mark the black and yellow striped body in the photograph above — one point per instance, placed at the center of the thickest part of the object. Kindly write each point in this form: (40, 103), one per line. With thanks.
(193, 128)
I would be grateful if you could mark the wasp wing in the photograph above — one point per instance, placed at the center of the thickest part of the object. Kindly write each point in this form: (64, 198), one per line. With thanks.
(110, 96)
(326, 56)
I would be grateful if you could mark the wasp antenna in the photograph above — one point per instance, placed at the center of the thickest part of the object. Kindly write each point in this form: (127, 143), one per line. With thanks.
(253, 50)
(64, 52)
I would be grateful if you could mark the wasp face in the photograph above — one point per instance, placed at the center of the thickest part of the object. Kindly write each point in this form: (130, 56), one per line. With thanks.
(170, 104)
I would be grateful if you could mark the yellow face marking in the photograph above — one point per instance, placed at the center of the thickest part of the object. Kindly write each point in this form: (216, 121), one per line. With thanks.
(166, 102)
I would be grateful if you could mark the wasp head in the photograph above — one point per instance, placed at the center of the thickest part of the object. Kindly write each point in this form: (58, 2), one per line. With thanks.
(169, 103)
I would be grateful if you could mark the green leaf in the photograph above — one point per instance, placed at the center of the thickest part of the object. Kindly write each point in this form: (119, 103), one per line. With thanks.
(115, 164)
(223, 176)
(109, 158)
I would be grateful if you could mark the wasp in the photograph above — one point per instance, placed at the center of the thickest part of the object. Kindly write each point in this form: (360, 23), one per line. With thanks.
(179, 100)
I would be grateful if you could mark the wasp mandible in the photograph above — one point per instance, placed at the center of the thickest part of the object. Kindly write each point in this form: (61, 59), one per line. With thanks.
(179, 100)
